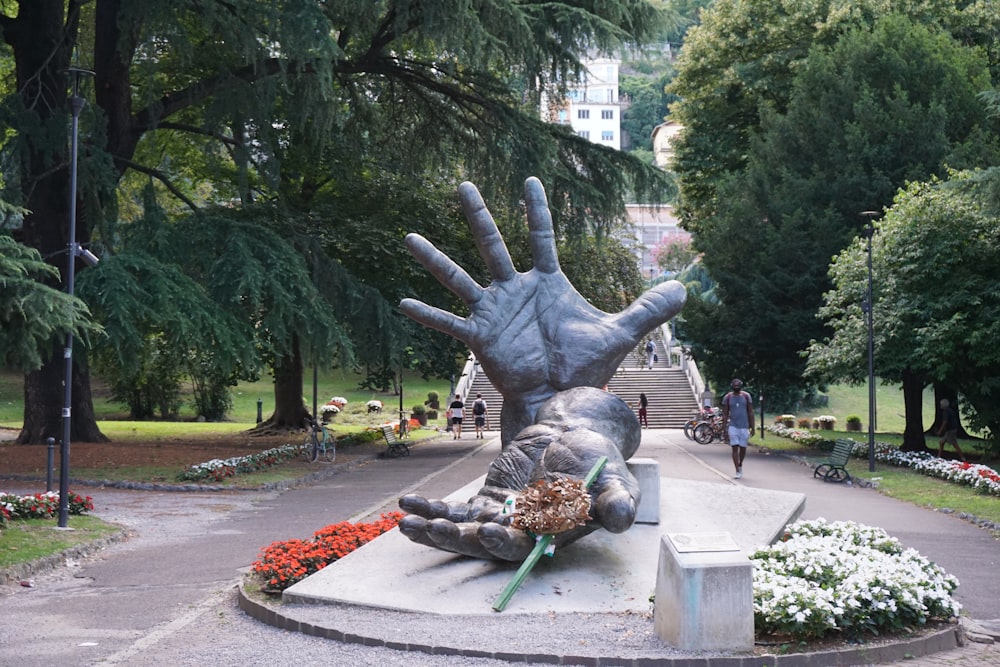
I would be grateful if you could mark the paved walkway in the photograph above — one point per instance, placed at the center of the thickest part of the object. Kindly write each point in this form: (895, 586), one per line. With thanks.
(166, 595)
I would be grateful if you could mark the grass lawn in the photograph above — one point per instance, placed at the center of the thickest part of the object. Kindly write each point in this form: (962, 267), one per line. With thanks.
(25, 541)
(901, 483)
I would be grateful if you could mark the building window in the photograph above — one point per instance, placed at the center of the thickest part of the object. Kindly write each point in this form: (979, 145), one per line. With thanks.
(562, 115)
(583, 113)
(608, 114)
(607, 136)
(584, 134)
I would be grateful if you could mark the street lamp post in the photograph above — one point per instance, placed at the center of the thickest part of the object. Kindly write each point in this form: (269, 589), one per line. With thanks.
(868, 308)
(76, 75)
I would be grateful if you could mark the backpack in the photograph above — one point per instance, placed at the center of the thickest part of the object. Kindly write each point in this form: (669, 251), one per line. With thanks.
(650, 347)
(479, 407)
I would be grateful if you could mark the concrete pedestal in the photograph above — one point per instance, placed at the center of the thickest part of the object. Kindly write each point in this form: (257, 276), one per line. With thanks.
(704, 599)
(647, 473)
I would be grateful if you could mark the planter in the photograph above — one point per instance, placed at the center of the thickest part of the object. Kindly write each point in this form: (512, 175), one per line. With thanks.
(826, 426)
(422, 418)
(790, 423)
(853, 426)
(432, 414)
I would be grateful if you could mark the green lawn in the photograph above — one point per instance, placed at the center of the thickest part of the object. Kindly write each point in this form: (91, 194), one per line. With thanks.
(245, 397)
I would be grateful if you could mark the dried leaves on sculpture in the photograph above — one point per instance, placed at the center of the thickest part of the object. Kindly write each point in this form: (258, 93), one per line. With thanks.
(548, 507)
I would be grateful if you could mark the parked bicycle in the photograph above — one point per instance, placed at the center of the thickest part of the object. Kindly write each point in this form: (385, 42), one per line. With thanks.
(320, 445)
(710, 431)
(704, 415)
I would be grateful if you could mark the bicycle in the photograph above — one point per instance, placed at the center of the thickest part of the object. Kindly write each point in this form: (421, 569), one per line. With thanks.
(316, 447)
(710, 431)
(703, 416)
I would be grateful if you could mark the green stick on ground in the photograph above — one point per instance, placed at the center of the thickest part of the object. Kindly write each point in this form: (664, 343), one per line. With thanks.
(540, 546)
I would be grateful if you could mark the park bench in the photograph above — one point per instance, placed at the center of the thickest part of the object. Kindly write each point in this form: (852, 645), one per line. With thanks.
(833, 469)
(394, 446)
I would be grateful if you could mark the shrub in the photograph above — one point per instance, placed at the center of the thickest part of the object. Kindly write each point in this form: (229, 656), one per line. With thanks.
(282, 564)
(40, 506)
(844, 577)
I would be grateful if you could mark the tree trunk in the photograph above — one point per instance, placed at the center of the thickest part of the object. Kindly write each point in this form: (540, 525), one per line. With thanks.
(913, 401)
(44, 396)
(41, 43)
(289, 410)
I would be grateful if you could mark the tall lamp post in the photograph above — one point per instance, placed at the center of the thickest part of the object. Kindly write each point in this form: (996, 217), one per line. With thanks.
(868, 308)
(76, 100)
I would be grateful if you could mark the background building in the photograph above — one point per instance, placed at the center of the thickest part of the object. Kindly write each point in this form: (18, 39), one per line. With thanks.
(592, 106)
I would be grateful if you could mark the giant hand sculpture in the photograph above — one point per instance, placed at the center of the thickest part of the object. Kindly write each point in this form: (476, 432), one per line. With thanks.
(546, 349)
(532, 332)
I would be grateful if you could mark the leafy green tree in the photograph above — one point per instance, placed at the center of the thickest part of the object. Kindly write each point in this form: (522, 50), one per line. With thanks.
(196, 93)
(647, 107)
(936, 309)
(822, 114)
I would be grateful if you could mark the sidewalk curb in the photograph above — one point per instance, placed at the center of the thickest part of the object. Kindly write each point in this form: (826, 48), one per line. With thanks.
(282, 616)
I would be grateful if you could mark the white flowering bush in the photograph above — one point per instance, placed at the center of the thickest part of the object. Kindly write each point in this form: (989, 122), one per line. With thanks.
(799, 435)
(219, 469)
(845, 577)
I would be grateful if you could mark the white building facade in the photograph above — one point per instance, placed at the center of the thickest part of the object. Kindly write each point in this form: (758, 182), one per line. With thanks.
(592, 107)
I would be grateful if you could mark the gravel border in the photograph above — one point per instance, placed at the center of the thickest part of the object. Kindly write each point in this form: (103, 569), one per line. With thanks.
(568, 639)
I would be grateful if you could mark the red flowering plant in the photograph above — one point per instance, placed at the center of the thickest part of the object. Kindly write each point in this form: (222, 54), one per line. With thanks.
(282, 564)
(40, 505)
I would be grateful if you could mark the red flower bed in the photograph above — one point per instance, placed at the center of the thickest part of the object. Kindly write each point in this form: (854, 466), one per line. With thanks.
(282, 564)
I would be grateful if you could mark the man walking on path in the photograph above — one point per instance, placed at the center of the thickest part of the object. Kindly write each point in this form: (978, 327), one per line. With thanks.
(949, 429)
(480, 412)
(650, 353)
(457, 408)
(737, 421)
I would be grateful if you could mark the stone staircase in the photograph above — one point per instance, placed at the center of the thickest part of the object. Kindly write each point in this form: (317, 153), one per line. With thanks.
(671, 402)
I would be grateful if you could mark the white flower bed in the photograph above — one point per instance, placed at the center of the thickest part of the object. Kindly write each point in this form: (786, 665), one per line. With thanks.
(845, 577)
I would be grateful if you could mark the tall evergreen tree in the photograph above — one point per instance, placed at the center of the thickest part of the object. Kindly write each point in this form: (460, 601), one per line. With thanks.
(440, 81)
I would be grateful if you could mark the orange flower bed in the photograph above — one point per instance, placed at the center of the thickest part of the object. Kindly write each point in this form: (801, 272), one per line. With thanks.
(282, 564)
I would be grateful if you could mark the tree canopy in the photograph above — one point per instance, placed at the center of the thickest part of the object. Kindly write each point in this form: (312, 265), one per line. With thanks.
(798, 118)
(935, 301)
(292, 109)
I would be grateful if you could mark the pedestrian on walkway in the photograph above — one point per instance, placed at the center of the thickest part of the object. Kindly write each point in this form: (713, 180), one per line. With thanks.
(643, 404)
(480, 411)
(949, 429)
(650, 353)
(737, 422)
(457, 412)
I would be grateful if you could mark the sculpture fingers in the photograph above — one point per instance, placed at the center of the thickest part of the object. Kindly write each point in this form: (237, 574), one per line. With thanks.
(504, 542)
(459, 538)
(434, 509)
(652, 308)
(448, 273)
(435, 318)
(484, 230)
(541, 235)
(615, 507)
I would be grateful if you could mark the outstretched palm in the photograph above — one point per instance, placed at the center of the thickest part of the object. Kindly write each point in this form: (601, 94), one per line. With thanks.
(533, 333)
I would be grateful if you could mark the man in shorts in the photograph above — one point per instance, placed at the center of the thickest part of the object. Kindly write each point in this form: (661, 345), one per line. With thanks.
(480, 411)
(737, 420)
(457, 412)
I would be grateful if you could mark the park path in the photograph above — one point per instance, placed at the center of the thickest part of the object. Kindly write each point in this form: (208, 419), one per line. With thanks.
(166, 595)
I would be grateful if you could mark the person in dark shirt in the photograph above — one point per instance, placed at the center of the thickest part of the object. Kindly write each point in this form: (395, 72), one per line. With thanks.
(643, 404)
(737, 420)
(949, 429)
